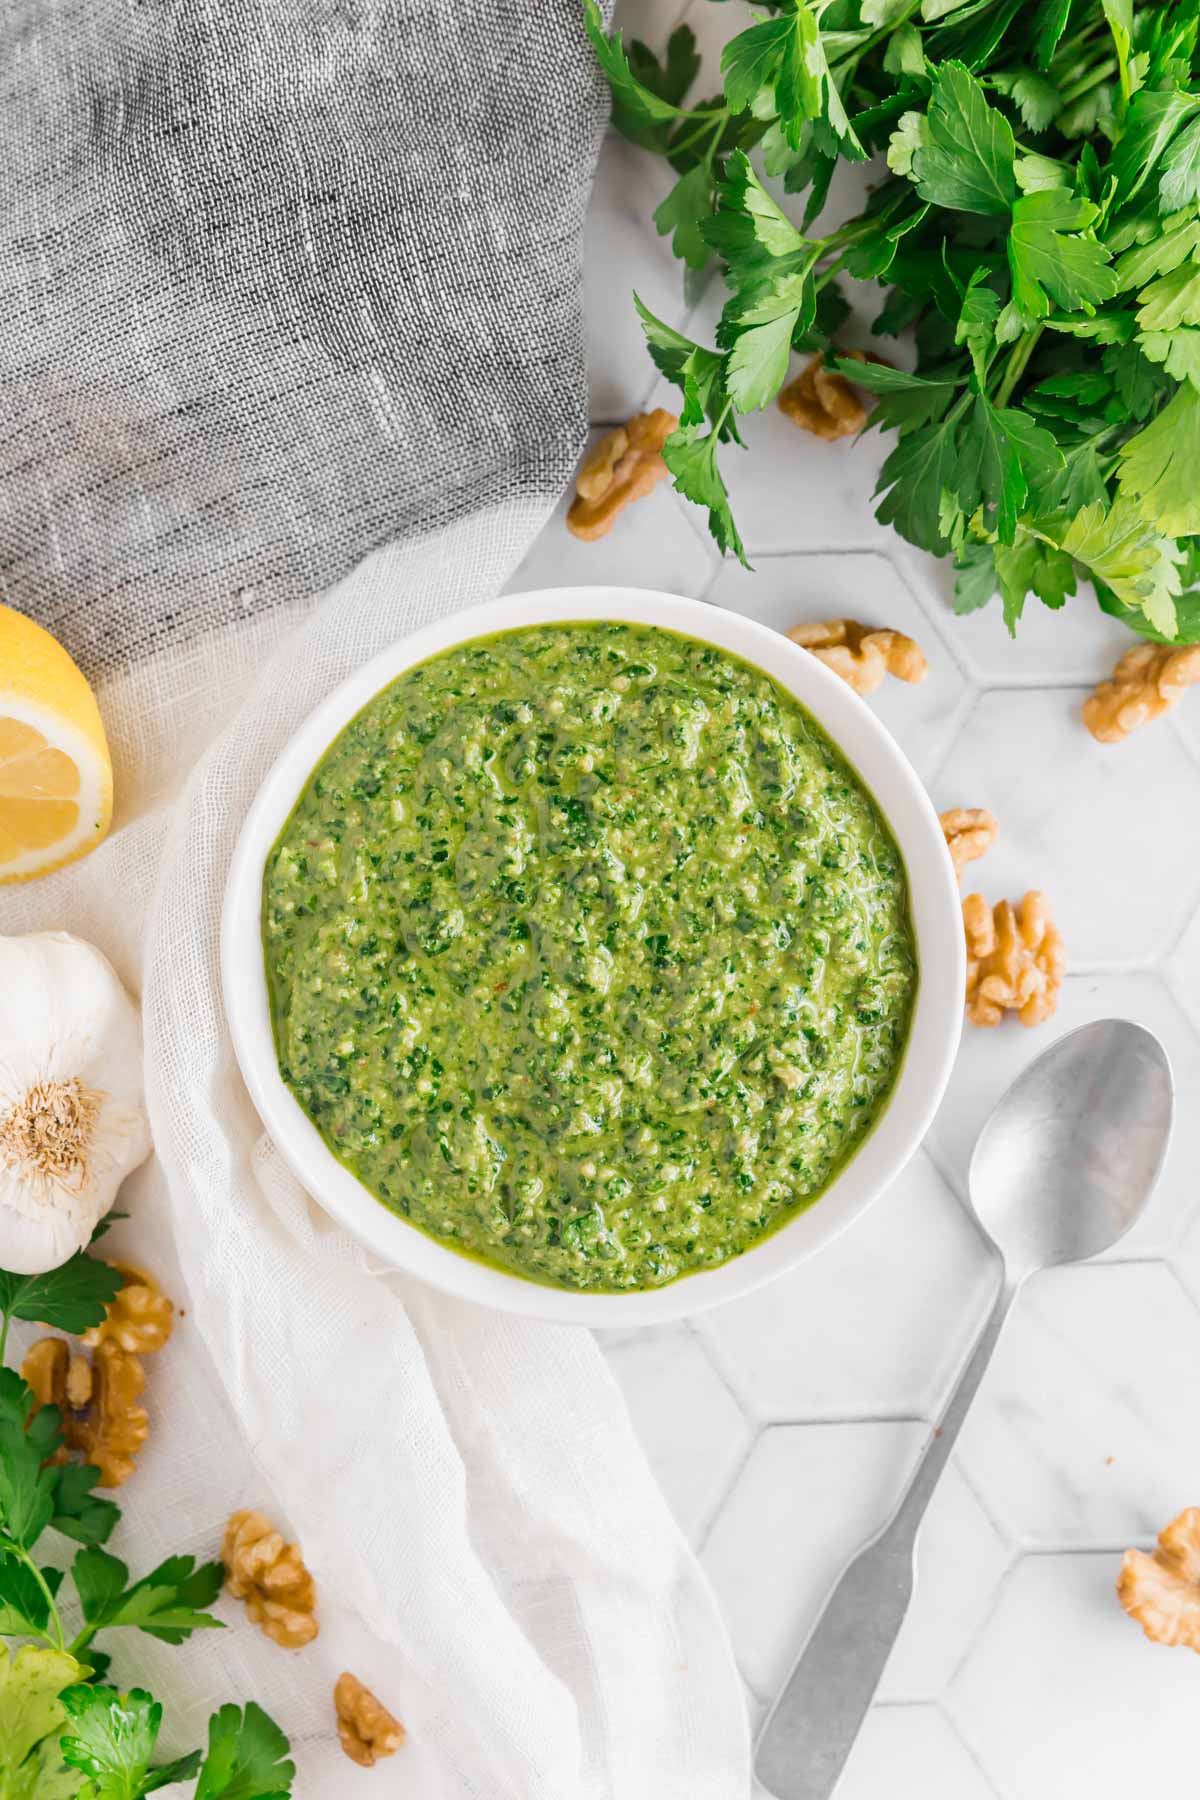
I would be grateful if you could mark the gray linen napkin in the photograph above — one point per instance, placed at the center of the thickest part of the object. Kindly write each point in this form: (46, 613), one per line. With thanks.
(280, 281)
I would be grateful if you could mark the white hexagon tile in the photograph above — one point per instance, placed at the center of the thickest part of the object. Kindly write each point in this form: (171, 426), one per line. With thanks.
(783, 1426)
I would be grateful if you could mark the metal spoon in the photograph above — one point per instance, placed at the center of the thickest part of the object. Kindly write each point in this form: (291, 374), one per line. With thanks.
(1062, 1169)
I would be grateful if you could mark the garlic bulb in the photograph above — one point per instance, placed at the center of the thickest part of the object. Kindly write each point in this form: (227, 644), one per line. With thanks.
(72, 1119)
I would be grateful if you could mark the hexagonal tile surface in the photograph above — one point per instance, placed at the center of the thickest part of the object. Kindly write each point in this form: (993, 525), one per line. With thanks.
(915, 1750)
(806, 1499)
(1063, 1696)
(1183, 971)
(878, 1323)
(1028, 757)
(1080, 644)
(988, 1060)
(787, 589)
(961, 1559)
(651, 545)
(692, 1429)
(1184, 720)
(1077, 1436)
(817, 496)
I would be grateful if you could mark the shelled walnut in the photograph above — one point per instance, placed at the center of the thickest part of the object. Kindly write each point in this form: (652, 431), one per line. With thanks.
(1148, 681)
(861, 654)
(271, 1578)
(101, 1418)
(823, 402)
(1162, 1590)
(1015, 960)
(366, 1729)
(622, 467)
(139, 1318)
(969, 831)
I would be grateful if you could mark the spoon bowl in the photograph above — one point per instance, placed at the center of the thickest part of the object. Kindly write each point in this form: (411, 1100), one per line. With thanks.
(1069, 1157)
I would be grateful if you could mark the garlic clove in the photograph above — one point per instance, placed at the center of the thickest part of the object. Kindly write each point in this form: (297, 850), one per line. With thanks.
(72, 1114)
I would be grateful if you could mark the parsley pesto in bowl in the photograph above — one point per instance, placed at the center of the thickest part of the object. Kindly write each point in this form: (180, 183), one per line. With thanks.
(588, 953)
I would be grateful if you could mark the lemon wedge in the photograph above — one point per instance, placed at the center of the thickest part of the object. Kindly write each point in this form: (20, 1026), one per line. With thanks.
(55, 770)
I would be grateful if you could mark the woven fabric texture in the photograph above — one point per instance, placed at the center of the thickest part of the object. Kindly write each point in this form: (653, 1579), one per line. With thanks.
(279, 282)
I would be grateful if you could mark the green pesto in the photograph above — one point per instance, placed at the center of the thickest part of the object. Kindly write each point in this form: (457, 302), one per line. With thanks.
(588, 953)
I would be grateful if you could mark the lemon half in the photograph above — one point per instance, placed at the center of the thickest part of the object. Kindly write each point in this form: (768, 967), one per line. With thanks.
(55, 771)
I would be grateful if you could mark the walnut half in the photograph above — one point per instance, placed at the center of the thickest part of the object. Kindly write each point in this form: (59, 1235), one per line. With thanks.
(101, 1418)
(139, 1318)
(1162, 1591)
(271, 1578)
(861, 654)
(1148, 681)
(623, 466)
(823, 402)
(969, 832)
(1015, 960)
(366, 1729)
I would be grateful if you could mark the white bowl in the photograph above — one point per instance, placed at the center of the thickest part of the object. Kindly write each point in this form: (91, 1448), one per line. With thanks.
(936, 917)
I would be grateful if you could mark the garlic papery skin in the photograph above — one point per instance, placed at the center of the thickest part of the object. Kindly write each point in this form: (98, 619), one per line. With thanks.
(72, 1112)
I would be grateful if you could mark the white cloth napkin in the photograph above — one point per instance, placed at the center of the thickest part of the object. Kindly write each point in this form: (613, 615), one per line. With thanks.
(492, 1555)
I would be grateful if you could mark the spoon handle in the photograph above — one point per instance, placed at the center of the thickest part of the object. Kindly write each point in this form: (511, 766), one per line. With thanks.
(811, 1729)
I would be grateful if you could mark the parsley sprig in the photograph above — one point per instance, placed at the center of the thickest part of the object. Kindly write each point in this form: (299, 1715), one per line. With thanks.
(64, 1733)
(1038, 231)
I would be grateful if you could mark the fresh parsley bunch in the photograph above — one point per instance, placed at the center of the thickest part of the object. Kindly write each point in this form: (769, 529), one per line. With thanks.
(64, 1734)
(1039, 232)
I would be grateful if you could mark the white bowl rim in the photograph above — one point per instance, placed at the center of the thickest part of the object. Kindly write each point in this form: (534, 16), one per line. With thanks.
(933, 897)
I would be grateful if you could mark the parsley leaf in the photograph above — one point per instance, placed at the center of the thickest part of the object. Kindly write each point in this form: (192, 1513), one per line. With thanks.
(1177, 351)
(246, 1758)
(1179, 184)
(923, 466)
(1030, 566)
(70, 1298)
(1051, 268)
(671, 78)
(691, 457)
(1035, 96)
(110, 1738)
(1048, 26)
(1162, 251)
(24, 1606)
(167, 1604)
(31, 1684)
(699, 372)
(26, 1444)
(78, 1513)
(966, 162)
(680, 214)
(1187, 617)
(749, 230)
(1119, 546)
(906, 401)
(781, 66)
(1153, 118)
(639, 105)
(1159, 466)
(975, 576)
(1171, 301)
(976, 326)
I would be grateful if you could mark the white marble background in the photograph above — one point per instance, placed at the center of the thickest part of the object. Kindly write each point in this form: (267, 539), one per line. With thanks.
(782, 1426)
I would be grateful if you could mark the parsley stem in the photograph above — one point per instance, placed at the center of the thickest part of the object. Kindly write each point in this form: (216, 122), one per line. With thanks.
(858, 51)
(23, 1556)
(710, 120)
(1021, 353)
(1096, 76)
